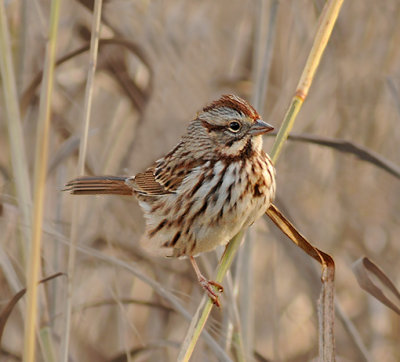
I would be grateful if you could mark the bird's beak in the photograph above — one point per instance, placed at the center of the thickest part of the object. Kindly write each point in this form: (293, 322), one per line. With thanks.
(260, 127)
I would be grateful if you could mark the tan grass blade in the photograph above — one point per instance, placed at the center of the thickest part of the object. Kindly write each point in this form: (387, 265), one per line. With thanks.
(6, 311)
(8, 227)
(375, 282)
(41, 156)
(361, 152)
(18, 155)
(326, 308)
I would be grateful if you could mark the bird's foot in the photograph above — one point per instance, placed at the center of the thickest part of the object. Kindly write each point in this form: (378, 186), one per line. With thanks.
(209, 286)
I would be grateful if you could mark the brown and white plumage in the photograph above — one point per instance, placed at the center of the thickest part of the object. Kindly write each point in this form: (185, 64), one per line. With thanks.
(215, 182)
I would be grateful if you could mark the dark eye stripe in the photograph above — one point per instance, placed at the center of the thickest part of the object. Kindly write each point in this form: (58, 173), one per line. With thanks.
(211, 127)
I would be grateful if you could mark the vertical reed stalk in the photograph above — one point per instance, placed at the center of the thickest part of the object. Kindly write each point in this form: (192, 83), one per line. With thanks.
(18, 155)
(41, 155)
(94, 45)
(327, 21)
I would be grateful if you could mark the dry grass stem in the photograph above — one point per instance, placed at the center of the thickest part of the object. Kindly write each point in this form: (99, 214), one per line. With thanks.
(203, 311)
(16, 139)
(41, 156)
(327, 21)
(361, 152)
(94, 45)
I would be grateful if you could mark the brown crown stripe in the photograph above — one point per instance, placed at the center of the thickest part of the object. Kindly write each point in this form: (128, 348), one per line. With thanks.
(234, 103)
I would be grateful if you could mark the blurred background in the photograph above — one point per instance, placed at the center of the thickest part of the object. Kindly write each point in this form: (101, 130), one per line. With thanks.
(166, 60)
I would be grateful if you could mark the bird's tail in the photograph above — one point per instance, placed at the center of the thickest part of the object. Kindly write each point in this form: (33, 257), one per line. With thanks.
(92, 185)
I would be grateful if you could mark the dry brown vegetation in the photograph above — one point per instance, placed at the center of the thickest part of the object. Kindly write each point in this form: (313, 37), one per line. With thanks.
(168, 59)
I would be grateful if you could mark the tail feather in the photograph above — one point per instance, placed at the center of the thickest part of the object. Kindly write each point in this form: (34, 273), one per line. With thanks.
(92, 185)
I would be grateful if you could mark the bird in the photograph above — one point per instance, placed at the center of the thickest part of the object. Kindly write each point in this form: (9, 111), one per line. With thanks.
(215, 182)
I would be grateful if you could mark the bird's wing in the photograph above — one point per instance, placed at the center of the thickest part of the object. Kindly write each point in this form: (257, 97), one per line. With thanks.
(145, 183)
(164, 177)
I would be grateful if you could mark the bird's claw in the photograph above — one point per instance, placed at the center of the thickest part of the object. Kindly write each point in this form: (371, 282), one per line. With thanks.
(208, 286)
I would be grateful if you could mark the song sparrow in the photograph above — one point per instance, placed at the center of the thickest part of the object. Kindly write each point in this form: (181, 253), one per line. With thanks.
(215, 182)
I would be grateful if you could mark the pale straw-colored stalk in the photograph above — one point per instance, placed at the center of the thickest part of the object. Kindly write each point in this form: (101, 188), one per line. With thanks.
(94, 45)
(326, 22)
(16, 138)
(41, 156)
(203, 311)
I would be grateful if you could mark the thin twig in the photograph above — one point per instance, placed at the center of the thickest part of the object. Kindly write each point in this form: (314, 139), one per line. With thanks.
(30, 90)
(361, 152)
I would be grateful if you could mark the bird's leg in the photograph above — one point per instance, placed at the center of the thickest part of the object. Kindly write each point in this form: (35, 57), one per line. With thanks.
(206, 284)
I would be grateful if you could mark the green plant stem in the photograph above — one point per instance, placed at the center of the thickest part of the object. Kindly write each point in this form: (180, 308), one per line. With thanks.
(47, 344)
(286, 127)
(199, 320)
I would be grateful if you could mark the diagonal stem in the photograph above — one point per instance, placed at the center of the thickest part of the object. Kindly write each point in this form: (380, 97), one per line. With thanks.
(326, 309)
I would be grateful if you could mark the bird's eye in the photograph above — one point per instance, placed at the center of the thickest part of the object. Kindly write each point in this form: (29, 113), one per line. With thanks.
(235, 126)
